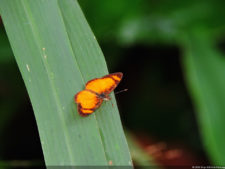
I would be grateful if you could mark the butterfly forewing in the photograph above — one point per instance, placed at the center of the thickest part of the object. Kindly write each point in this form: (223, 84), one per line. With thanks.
(106, 84)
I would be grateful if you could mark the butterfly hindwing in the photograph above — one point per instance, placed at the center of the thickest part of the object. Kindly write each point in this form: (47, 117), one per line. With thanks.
(87, 102)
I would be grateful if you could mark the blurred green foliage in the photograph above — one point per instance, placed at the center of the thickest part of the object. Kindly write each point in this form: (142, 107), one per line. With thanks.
(205, 69)
(150, 21)
(163, 47)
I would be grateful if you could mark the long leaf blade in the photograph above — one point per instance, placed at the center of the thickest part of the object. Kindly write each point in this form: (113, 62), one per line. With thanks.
(56, 56)
(205, 70)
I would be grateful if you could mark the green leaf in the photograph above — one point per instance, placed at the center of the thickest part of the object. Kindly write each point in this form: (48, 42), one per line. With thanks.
(57, 54)
(205, 70)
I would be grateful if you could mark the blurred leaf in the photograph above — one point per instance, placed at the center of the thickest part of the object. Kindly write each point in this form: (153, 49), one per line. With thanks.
(6, 54)
(205, 71)
(57, 53)
(150, 21)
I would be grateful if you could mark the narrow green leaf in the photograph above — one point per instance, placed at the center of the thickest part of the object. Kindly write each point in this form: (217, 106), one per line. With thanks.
(205, 70)
(57, 54)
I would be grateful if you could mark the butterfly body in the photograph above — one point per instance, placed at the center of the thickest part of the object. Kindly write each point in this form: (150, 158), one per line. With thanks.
(104, 97)
(96, 90)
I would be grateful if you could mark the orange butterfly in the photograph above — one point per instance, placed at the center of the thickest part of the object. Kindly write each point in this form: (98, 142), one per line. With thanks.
(96, 90)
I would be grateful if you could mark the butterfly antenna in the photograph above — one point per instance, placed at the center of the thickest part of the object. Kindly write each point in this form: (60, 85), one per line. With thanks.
(124, 90)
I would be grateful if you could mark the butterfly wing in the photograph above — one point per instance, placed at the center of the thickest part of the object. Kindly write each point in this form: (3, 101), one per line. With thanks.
(87, 102)
(106, 84)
